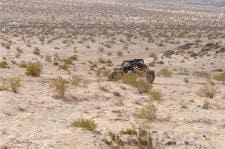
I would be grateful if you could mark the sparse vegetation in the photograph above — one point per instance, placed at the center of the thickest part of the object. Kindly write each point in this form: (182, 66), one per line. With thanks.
(36, 51)
(155, 95)
(147, 112)
(165, 72)
(82, 42)
(220, 77)
(137, 81)
(202, 74)
(34, 69)
(4, 64)
(60, 85)
(85, 123)
(136, 137)
(208, 90)
(15, 83)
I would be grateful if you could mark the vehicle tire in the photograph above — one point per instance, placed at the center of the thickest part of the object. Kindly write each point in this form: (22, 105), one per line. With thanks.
(150, 76)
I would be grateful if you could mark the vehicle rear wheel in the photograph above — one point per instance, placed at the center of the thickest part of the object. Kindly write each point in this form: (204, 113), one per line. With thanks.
(150, 76)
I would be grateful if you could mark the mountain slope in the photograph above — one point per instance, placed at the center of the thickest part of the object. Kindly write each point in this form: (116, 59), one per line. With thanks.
(199, 3)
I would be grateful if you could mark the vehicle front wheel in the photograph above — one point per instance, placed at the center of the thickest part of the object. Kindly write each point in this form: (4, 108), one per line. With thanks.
(150, 76)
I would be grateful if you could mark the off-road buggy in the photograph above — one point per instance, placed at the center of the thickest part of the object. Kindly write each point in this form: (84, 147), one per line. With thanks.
(132, 66)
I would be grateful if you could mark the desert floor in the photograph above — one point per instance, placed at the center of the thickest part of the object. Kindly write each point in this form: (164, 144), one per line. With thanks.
(183, 108)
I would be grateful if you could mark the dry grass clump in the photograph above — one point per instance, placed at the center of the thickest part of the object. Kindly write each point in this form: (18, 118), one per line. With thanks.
(202, 74)
(205, 105)
(60, 85)
(85, 123)
(22, 64)
(208, 91)
(140, 137)
(136, 81)
(102, 72)
(3, 86)
(4, 147)
(220, 77)
(155, 95)
(4, 64)
(147, 112)
(186, 80)
(165, 72)
(36, 51)
(120, 54)
(15, 83)
(75, 80)
(154, 56)
(33, 69)
(66, 63)
(12, 84)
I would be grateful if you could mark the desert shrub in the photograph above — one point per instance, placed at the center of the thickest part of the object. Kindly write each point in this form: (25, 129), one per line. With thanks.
(33, 69)
(208, 90)
(3, 86)
(75, 80)
(101, 49)
(205, 105)
(136, 81)
(69, 61)
(109, 53)
(107, 45)
(23, 64)
(220, 77)
(64, 66)
(60, 85)
(155, 95)
(36, 51)
(201, 74)
(147, 112)
(17, 55)
(102, 72)
(4, 64)
(186, 80)
(85, 123)
(48, 58)
(131, 138)
(115, 140)
(66, 63)
(15, 83)
(4, 147)
(154, 56)
(165, 73)
(101, 60)
(19, 50)
(119, 53)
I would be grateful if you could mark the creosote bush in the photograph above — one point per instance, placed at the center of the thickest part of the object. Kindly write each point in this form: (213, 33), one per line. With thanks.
(15, 83)
(85, 123)
(33, 69)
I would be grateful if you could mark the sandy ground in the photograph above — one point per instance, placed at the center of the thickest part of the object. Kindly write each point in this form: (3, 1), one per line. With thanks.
(35, 118)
